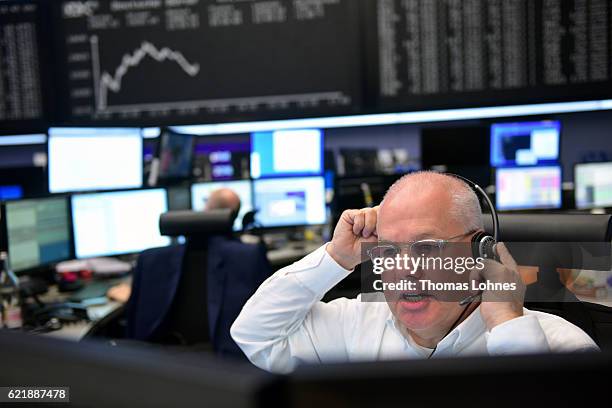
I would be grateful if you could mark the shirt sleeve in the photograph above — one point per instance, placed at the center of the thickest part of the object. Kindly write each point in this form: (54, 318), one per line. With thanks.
(517, 336)
(285, 322)
(530, 334)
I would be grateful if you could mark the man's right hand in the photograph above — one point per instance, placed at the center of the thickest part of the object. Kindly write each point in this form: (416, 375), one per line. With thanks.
(354, 228)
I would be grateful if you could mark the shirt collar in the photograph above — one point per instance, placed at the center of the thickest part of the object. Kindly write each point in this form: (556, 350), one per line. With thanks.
(468, 330)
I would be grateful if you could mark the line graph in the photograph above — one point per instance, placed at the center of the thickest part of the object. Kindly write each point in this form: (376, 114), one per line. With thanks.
(105, 81)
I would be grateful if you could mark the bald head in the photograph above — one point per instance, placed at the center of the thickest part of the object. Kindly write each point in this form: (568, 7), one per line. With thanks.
(444, 201)
(223, 198)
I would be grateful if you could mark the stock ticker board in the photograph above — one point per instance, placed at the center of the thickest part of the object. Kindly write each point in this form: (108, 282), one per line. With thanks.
(218, 60)
(460, 53)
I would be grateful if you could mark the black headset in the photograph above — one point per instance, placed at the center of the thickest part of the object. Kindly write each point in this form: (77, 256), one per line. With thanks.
(483, 244)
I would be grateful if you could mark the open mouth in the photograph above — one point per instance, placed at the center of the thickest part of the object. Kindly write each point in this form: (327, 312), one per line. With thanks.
(414, 297)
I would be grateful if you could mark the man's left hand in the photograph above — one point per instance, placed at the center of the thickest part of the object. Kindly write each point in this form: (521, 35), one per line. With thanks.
(496, 306)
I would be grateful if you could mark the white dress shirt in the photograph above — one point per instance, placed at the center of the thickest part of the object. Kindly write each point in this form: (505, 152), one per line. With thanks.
(285, 324)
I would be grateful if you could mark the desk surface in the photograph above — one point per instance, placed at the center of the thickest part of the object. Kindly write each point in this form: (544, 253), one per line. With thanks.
(277, 257)
(602, 301)
(76, 331)
(291, 253)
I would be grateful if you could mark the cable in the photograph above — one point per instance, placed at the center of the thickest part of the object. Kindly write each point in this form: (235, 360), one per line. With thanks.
(451, 329)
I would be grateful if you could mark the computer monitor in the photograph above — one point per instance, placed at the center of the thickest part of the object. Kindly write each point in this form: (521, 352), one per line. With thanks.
(138, 376)
(23, 150)
(525, 143)
(200, 192)
(593, 185)
(503, 381)
(528, 188)
(86, 159)
(118, 222)
(175, 155)
(179, 198)
(285, 202)
(10, 193)
(37, 232)
(223, 157)
(30, 181)
(287, 153)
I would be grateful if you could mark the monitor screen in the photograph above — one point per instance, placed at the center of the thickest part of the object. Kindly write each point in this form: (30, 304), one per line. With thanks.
(215, 61)
(290, 201)
(527, 188)
(525, 143)
(25, 62)
(38, 232)
(423, 55)
(179, 198)
(10, 193)
(200, 192)
(593, 185)
(23, 150)
(223, 157)
(118, 223)
(175, 155)
(31, 180)
(86, 159)
(287, 153)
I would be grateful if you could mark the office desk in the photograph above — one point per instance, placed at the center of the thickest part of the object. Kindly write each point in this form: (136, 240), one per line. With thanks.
(290, 253)
(600, 301)
(279, 258)
(76, 331)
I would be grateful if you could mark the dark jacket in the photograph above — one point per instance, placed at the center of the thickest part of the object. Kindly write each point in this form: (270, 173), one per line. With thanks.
(235, 271)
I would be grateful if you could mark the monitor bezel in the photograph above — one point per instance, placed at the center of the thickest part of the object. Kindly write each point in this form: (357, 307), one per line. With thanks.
(43, 267)
(529, 209)
(165, 180)
(290, 226)
(575, 170)
(96, 189)
(113, 254)
(516, 122)
(290, 175)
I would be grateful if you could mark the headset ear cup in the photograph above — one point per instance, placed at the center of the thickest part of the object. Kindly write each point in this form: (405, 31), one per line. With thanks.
(476, 244)
(487, 248)
(483, 246)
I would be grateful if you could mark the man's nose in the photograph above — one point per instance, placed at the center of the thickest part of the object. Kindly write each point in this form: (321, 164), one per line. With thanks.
(417, 273)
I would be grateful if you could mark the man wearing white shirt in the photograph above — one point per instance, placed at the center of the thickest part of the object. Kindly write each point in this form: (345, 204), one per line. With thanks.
(285, 323)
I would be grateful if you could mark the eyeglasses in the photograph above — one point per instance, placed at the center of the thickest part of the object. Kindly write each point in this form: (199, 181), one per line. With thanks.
(426, 247)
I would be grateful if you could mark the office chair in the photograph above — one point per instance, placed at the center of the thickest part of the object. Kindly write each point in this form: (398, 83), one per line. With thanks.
(571, 241)
(250, 224)
(187, 323)
(190, 294)
(111, 326)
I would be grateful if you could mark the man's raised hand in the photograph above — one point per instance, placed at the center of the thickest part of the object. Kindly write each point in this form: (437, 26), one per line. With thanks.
(354, 228)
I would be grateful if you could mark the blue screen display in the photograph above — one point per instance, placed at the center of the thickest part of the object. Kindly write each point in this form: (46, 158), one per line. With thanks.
(10, 193)
(525, 143)
(285, 202)
(287, 153)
